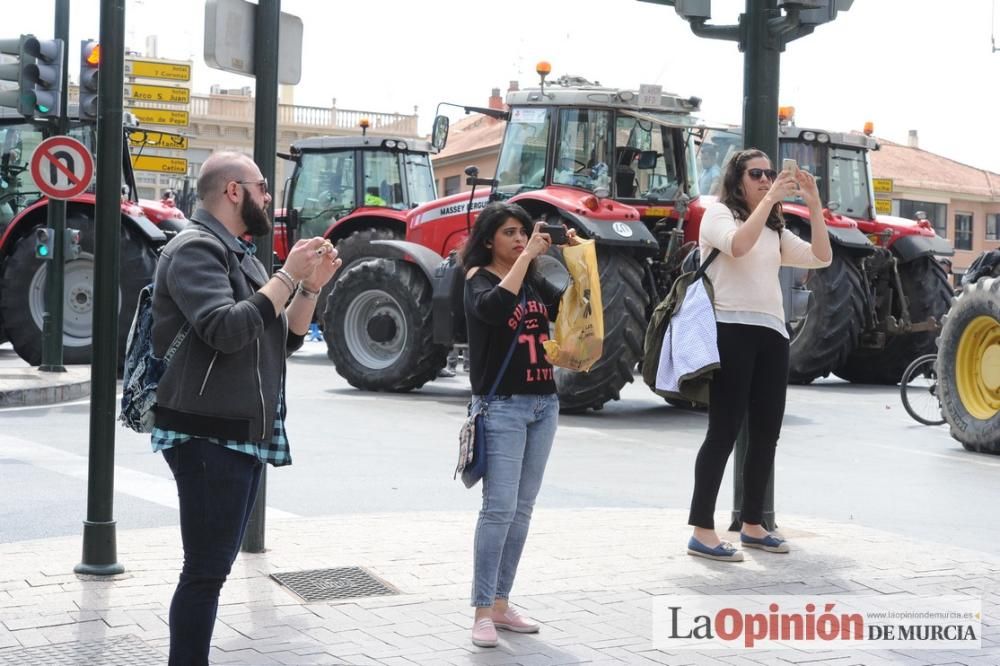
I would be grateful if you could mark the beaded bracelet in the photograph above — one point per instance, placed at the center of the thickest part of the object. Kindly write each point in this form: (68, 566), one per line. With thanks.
(285, 279)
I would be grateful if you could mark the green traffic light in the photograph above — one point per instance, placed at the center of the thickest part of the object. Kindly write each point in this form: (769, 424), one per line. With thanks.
(42, 250)
(41, 108)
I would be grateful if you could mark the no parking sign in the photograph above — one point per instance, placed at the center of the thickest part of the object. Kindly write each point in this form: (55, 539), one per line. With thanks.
(62, 167)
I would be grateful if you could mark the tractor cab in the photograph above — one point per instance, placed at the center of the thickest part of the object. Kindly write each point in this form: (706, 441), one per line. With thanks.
(337, 177)
(605, 141)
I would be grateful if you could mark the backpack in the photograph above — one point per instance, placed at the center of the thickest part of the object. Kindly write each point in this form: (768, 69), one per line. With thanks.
(142, 369)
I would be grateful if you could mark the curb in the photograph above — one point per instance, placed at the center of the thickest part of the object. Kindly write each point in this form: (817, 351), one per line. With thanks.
(25, 387)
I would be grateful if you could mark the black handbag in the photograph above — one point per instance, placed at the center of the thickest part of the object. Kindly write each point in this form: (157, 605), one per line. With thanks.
(472, 436)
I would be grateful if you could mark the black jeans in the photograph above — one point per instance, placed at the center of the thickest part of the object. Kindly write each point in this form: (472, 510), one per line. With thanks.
(752, 383)
(216, 487)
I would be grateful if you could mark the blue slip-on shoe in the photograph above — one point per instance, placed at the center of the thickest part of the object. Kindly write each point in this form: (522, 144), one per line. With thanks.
(770, 543)
(724, 552)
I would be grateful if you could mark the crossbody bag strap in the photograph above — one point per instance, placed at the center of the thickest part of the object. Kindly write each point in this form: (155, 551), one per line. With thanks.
(176, 344)
(510, 352)
(698, 274)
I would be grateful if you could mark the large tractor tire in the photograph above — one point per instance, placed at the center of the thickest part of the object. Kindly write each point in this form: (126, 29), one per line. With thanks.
(929, 294)
(625, 303)
(352, 249)
(822, 341)
(379, 328)
(968, 367)
(22, 295)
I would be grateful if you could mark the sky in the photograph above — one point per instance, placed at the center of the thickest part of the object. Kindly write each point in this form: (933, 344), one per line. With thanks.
(924, 65)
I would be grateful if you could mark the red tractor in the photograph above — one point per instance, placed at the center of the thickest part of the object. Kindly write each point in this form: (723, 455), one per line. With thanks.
(353, 190)
(145, 227)
(880, 304)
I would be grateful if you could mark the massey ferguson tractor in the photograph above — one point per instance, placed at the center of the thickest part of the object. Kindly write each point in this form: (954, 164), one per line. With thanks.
(877, 307)
(145, 226)
(353, 190)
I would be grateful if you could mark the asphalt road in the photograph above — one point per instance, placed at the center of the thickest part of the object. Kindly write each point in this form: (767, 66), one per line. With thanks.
(848, 453)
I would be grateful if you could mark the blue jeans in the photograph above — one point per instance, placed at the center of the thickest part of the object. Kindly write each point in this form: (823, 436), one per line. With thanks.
(519, 434)
(216, 488)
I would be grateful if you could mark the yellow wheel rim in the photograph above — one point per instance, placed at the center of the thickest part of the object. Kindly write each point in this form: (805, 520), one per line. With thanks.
(978, 367)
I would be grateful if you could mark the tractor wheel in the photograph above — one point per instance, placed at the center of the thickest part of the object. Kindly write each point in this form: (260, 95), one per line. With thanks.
(968, 367)
(352, 249)
(929, 294)
(625, 302)
(22, 300)
(821, 341)
(379, 327)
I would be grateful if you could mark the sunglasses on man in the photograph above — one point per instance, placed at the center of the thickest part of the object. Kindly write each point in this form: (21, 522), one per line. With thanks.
(757, 174)
(262, 184)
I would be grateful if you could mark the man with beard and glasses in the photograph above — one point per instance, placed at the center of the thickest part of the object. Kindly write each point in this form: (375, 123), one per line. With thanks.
(220, 412)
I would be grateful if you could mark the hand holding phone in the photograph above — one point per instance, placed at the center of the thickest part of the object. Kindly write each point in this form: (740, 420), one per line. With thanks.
(556, 232)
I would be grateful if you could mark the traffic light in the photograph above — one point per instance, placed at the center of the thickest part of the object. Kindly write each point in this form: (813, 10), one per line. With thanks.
(38, 73)
(46, 75)
(71, 245)
(22, 99)
(90, 63)
(43, 242)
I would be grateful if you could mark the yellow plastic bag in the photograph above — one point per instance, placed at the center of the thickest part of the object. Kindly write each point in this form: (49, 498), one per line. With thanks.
(579, 331)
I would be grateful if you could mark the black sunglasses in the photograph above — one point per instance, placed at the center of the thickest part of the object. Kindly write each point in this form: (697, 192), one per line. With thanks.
(262, 184)
(757, 174)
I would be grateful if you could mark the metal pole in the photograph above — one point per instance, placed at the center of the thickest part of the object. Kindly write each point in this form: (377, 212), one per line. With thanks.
(52, 321)
(100, 551)
(265, 145)
(761, 65)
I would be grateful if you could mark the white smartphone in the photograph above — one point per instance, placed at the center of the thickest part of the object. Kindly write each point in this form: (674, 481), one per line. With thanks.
(790, 166)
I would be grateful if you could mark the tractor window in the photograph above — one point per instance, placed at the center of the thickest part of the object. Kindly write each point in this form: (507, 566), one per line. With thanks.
(655, 180)
(522, 156)
(420, 178)
(17, 188)
(323, 190)
(383, 185)
(849, 182)
(582, 151)
(810, 157)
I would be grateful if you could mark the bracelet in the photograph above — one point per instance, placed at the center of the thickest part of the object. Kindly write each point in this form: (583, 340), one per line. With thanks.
(285, 279)
(311, 295)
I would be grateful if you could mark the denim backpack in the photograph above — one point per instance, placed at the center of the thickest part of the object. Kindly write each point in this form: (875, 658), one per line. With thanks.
(142, 369)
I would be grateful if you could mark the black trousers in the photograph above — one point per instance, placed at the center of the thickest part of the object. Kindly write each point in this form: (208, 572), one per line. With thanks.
(751, 383)
(216, 487)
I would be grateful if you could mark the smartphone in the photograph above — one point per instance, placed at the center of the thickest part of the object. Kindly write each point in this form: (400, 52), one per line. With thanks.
(790, 166)
(556, 232)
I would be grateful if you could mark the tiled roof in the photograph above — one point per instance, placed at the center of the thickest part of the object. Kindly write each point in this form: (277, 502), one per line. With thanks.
(473, 133)
(920, 169)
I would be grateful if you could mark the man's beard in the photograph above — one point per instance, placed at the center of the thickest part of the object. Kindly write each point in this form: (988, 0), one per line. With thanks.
(254, 217)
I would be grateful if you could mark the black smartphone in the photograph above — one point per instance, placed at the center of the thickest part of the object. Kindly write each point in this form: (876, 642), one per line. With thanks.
(556, 232)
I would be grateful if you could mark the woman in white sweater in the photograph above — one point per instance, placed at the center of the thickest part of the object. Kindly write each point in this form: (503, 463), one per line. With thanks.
(748, 229)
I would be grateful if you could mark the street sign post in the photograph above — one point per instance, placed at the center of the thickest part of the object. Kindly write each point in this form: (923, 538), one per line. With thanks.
(62, 167)
(140, 138)
(161, 116)
(160, 164)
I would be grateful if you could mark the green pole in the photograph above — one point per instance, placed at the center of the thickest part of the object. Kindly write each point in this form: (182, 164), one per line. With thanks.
(100, 551)
(265, 146)
(52, 322)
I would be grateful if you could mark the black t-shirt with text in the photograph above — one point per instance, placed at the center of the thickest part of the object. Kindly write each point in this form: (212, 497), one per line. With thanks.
(493, 314)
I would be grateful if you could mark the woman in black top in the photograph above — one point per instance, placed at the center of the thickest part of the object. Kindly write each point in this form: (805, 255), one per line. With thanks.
(503, 301)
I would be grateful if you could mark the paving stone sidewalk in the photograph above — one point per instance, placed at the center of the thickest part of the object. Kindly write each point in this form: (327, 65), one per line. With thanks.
(589, 575)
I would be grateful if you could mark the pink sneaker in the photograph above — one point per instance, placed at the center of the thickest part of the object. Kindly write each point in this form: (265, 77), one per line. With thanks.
(484, 634)
(511, 620)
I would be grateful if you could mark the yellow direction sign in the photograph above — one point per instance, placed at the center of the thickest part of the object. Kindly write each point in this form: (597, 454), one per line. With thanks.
(160, 164)
(883, 206)
(882, 185)
(150, 93)
(139, 138)
(161, 116)
(158, 69)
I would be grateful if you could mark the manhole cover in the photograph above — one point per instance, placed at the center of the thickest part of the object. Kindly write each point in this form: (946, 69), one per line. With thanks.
(124, 650)
(339, 583)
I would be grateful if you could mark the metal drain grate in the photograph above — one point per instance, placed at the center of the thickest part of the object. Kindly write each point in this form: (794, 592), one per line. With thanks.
(339, 583)
(125, 651)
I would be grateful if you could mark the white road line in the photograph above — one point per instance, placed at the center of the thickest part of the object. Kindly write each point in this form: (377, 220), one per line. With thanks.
(128, 481)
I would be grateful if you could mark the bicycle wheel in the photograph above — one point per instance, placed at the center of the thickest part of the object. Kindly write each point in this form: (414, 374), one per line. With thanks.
(918, 389)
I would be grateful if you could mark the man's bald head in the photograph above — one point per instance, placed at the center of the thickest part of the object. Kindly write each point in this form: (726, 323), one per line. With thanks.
(221, 168)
